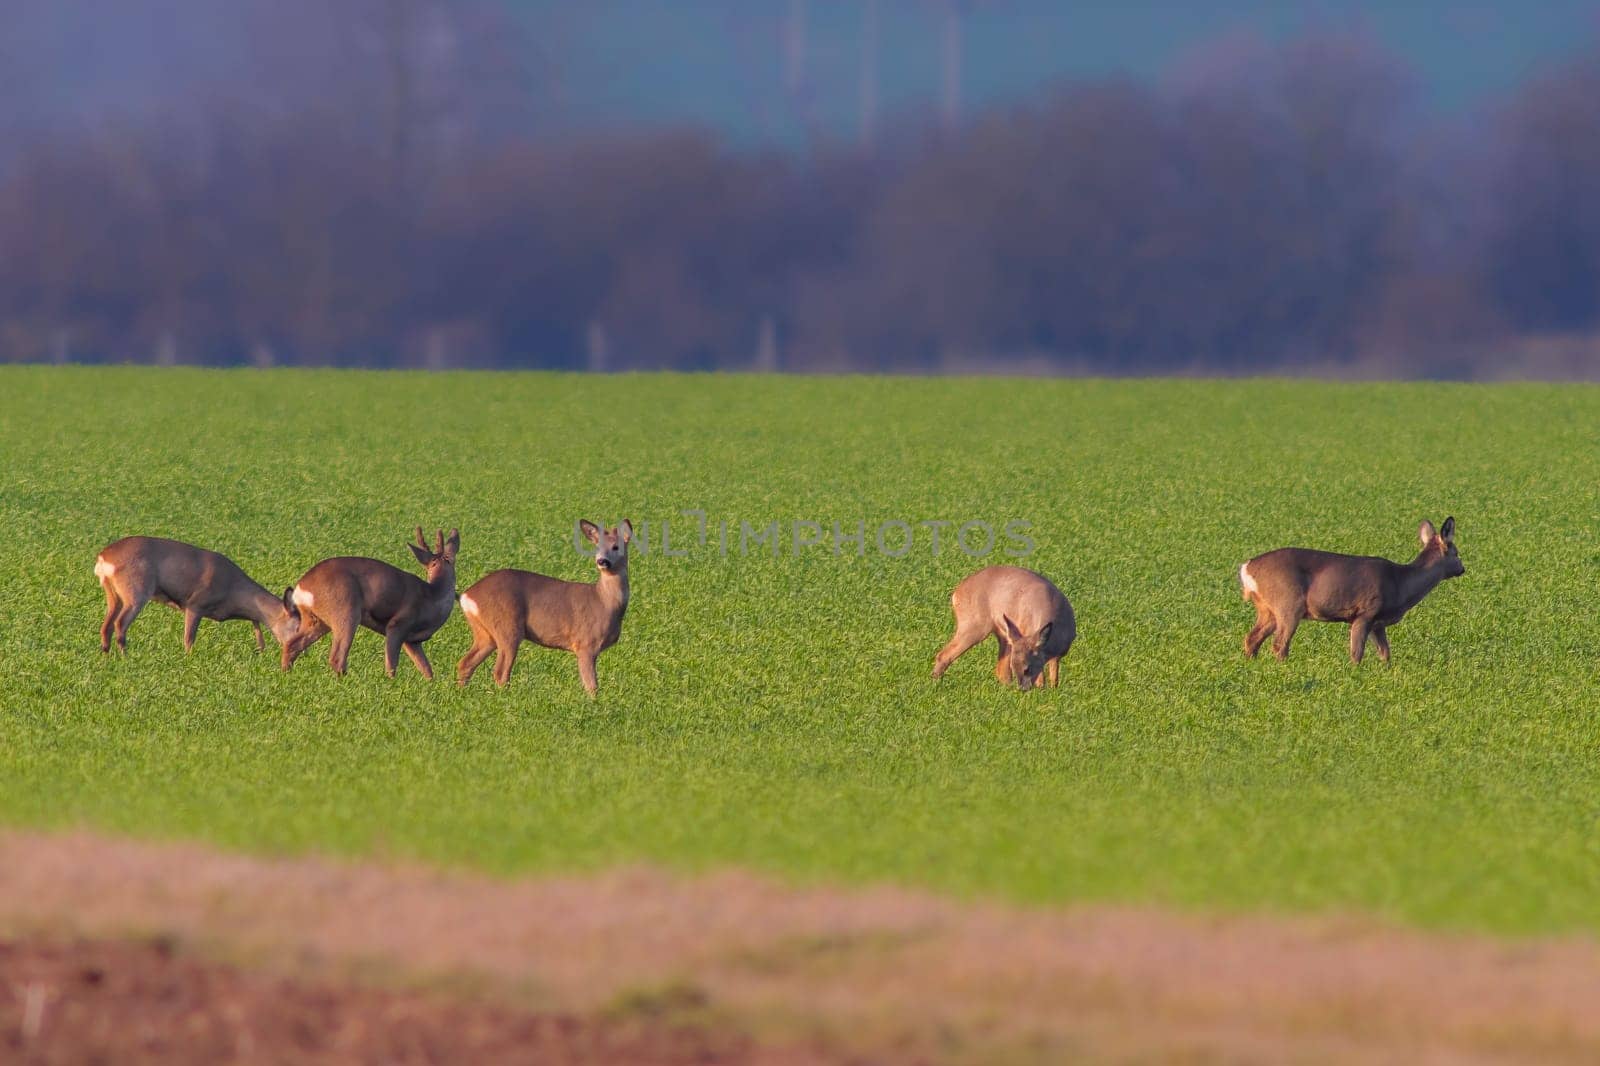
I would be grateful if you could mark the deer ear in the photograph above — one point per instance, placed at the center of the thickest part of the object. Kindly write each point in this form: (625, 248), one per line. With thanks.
(1425, 533)
(590, 530)
(452, 544)
(1011, 627)
(626, 529)
(1448, 531)
(1044, 634)
(424, 556)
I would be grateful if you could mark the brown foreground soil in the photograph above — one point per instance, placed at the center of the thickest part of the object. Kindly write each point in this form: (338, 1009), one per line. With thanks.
(143, 1002)
(291, 959)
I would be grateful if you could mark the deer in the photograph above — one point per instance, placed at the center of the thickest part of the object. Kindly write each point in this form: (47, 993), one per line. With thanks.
(1029, 617)
(1370, 593)
(509, 606)
(338, 595)
(200, 583)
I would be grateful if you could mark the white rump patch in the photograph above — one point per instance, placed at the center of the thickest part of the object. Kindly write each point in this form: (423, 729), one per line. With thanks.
(1245, 579)
(102, 569)
(468, 606)
(302, 598)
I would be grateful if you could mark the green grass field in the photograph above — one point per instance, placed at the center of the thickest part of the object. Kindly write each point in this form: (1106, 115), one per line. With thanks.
(776, 713)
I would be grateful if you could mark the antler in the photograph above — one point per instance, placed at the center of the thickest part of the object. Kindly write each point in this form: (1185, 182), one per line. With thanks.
(422, 540)
(440, 549)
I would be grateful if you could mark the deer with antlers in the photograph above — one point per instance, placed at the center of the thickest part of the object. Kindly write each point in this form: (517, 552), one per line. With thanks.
(338, 595)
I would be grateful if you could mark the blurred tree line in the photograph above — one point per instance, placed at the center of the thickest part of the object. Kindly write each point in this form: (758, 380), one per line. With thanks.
(376, 188)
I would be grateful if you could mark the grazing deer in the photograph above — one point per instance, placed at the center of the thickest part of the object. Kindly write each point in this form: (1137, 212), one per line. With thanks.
(200, 583)
(340, 594)
(1028, 615)
(1371, 594)
(510, 606)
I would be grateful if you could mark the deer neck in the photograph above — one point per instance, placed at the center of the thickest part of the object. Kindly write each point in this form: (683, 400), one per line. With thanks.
(1418, 578)
(262, 607)
(442, 589)
(613, 590)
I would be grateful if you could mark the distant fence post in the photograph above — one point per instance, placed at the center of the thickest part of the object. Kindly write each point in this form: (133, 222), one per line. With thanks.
(436, 355)
(767, 356)
(599, 356)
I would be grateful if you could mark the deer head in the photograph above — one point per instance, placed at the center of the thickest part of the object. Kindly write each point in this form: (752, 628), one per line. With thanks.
(1439, 547)
(1025, 652)
(610, 545)
(440, 560)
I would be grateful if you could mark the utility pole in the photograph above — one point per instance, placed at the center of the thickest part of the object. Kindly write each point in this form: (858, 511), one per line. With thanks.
(954, 16)
(399, 31)
(794, 49)
(869, 74)
(954, 54)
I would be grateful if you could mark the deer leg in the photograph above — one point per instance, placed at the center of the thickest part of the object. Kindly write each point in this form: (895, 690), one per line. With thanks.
(482, 648)
(415, 654)
(966, 638)
(113, 605)
(130, 610)
(393, 637)
(191, 626)
(1287, 623)
(1259, 632)
(311, 630)
(261, 645)
(1052, 669)
(1002, 668)
(1380, 637)
(586, 672)
(505, 657)
(344, 633)
(1358, 638)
